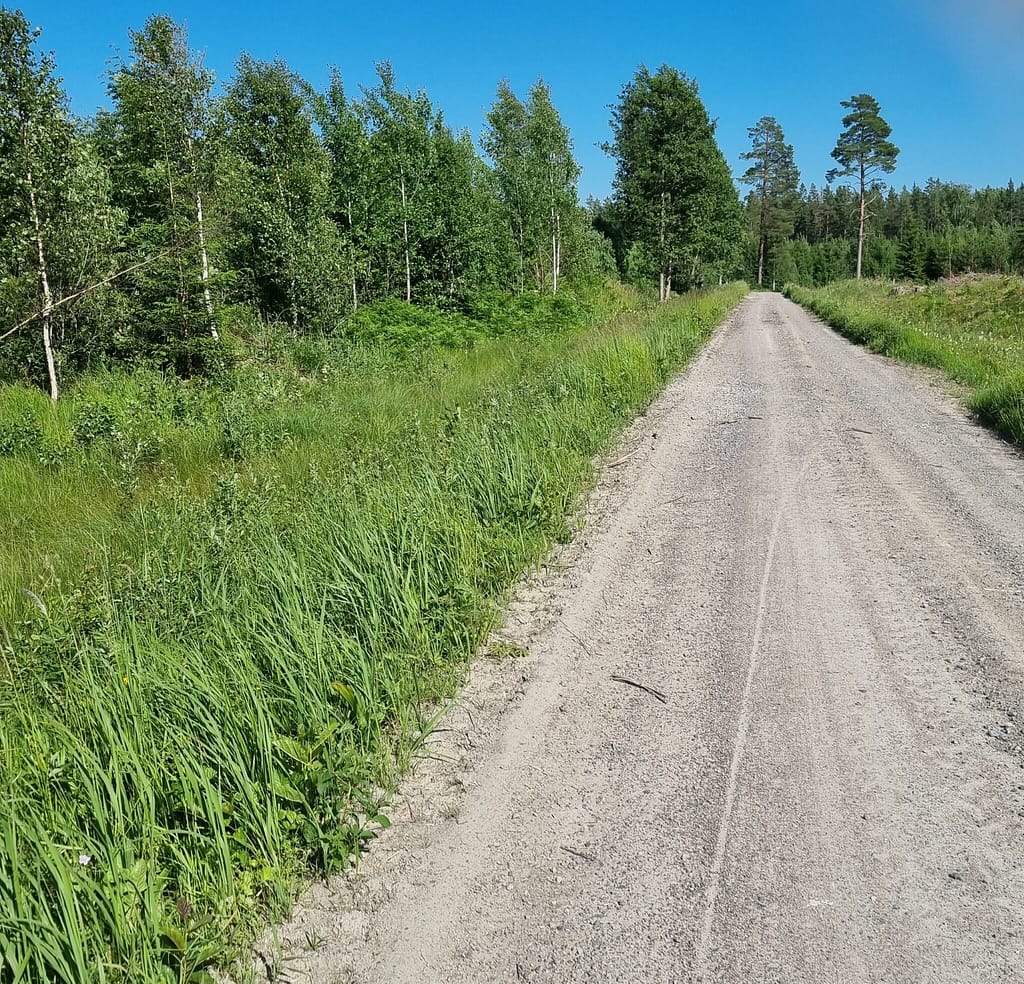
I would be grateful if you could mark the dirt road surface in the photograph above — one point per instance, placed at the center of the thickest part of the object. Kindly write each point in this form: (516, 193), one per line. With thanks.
(817, 561)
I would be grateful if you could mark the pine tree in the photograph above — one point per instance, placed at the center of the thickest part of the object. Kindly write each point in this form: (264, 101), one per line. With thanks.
(863, 151)
(774, 177)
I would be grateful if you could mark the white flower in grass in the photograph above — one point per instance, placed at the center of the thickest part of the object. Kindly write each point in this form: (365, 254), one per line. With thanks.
(85, 860)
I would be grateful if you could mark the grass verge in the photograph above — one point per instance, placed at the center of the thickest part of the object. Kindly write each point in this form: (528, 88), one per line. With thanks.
(973, 331)
(223, 609)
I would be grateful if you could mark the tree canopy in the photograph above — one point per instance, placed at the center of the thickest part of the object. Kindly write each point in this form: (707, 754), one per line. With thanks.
(676, 203)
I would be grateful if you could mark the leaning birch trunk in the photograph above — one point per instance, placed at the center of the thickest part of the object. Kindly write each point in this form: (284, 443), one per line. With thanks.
(44, 282)
(405, 242)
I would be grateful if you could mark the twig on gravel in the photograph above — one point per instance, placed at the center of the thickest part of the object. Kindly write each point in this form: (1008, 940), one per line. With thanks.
(679, 498)
(722, 423)
(859, 430)
(578, 640)
(752, 416)
(579, 854)
(624, 458)
(657, 694)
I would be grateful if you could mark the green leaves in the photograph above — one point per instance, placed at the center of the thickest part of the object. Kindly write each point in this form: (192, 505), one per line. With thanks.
(774, 177)
(863, 150)
(675, 196)
(536, 176)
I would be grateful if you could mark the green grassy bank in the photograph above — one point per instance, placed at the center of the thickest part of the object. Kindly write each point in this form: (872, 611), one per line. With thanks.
(224, 606)
(973, 331)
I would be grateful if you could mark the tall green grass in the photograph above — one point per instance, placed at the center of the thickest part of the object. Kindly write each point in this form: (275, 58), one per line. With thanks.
(973, 331)
(225, 610)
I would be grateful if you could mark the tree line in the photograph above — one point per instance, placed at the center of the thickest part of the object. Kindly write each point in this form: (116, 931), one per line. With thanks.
(184, 212)
(146, 231)
(187, 213)
(854, 225)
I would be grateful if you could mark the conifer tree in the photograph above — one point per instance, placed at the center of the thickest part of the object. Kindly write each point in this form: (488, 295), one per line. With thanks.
(774, 177)
(863, 152)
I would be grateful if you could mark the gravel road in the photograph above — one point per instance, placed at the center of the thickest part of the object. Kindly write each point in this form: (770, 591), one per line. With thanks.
(816, 561)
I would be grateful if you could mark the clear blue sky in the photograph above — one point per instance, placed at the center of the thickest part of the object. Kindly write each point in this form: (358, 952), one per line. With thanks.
(948, 74)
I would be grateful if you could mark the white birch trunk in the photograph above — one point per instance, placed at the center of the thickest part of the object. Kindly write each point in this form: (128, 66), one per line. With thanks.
(405, 242)
(352, 255)
(44, 283)
(205, 265)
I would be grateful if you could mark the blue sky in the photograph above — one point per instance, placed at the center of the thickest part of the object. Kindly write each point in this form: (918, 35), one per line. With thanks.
(950, 80)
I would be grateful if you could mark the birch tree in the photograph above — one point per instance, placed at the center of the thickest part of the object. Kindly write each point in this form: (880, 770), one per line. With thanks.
(506, 141)
(36, 138)
(554, 173)
(155, 142)
(348, 147)
(536, 174)
(400, 124)
(280, 239)
(674, 193)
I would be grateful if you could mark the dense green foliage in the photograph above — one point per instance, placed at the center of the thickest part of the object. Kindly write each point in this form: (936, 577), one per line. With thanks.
(972, 331)
(917, 234)
(774, 177)
(173, 222)
(675, 215)
(225, 607)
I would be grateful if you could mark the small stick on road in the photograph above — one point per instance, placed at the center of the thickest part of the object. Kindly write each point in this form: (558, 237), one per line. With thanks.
(657, 694)
(578, 640)
(859, 430)
(579, 854)
(624, 459)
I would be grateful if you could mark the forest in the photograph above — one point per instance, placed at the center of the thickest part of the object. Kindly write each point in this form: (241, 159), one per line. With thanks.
(172, 223)
(170, 226)
(295, 385)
